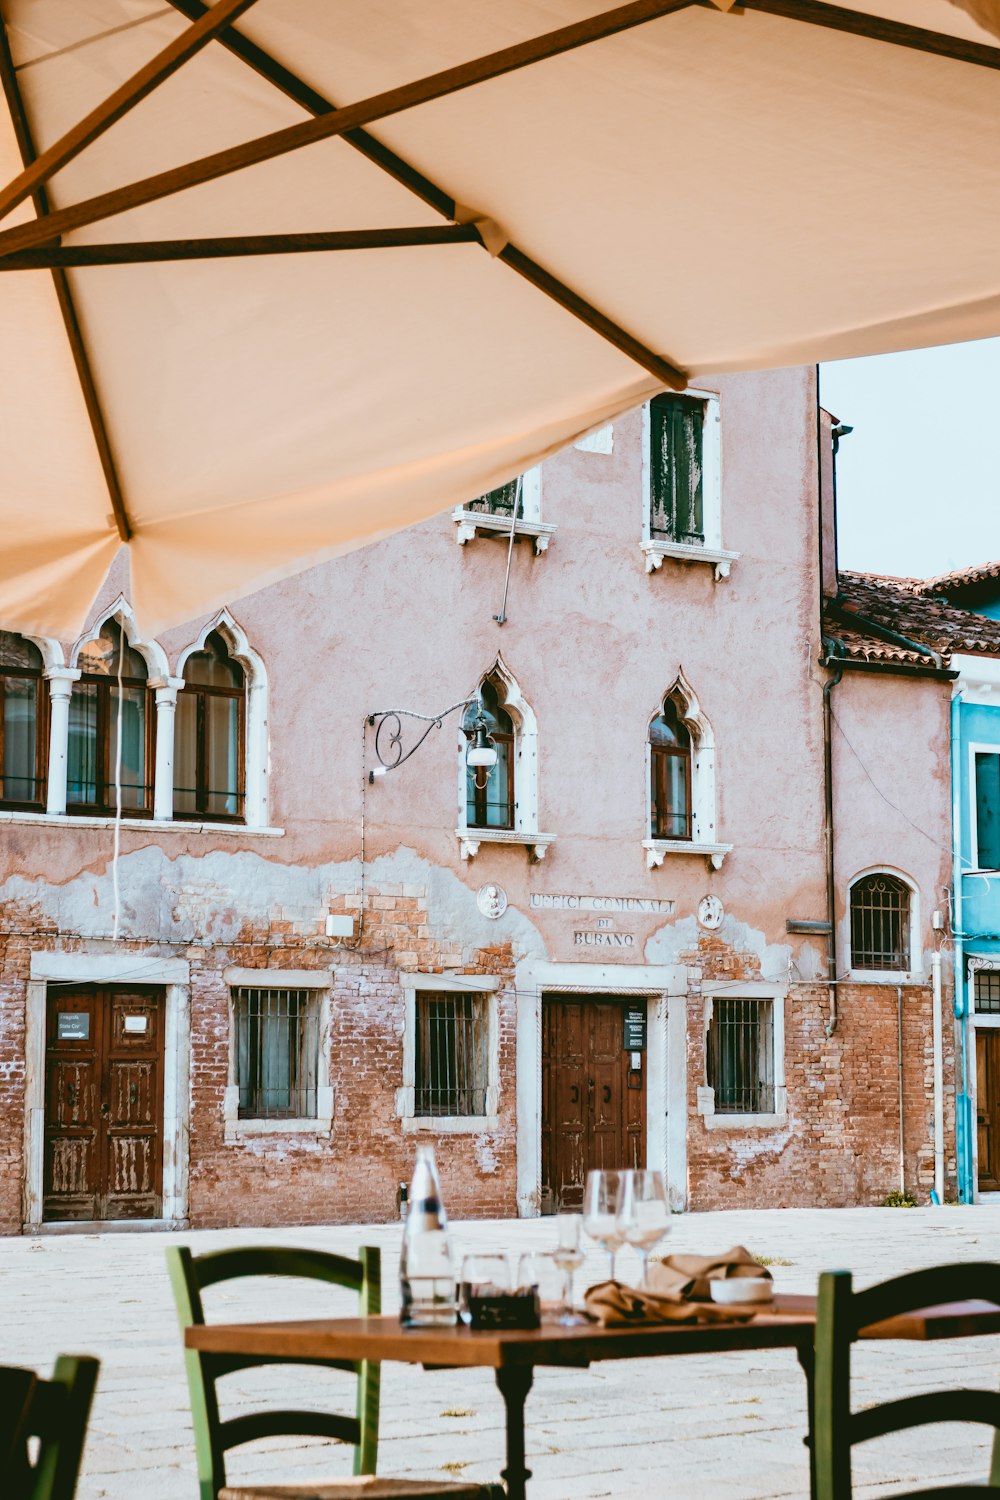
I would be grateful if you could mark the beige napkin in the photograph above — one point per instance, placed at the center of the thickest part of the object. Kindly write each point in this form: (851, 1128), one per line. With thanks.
(676, 1291)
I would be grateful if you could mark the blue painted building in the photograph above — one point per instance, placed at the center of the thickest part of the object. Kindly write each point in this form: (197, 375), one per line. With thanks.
(975, 769)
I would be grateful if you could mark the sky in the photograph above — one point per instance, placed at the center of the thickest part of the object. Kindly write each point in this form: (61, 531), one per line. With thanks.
(918, 480)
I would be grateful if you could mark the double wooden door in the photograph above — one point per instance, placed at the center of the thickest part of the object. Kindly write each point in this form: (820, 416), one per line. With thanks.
(593, 1099)
(988, 1108)
(104, 1104)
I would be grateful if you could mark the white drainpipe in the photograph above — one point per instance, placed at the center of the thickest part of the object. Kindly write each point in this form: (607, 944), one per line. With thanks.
(938, 1076)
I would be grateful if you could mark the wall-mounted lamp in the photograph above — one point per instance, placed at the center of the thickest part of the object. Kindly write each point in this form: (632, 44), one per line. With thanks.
(480, 757)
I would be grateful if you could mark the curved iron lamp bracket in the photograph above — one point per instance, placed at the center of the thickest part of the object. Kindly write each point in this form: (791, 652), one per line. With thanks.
(390, 733)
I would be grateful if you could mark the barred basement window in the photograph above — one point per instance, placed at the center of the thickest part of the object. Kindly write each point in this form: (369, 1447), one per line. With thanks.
(740, 1055)
(451, 1041)
(880, 923)
(986, 991)
(276, 1053)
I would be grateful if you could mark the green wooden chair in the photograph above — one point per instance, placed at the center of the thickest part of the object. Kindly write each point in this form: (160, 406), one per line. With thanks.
(189, 1276)
(840, 1314)
(53, 1411)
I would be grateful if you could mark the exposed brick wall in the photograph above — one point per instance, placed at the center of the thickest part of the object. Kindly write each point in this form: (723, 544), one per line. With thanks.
(840, 1143)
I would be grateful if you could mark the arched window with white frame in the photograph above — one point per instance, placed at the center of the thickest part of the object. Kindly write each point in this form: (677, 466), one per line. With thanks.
(501, 807)
(884, 930)
(209, 759)
(23, 720)
(220, 743)
(681, 812)
(111, 726)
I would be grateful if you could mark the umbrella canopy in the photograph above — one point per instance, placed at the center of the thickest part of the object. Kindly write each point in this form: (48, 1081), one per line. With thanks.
(281, 277)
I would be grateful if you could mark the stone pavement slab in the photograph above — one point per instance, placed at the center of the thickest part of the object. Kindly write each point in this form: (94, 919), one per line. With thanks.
(717, 1427)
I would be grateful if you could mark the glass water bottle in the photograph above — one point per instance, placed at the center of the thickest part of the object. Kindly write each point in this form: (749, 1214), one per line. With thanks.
(426, 1264)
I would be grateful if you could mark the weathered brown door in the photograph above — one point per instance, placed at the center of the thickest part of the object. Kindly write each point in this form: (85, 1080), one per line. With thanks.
(988, 1108)
(593, 1100)
(104, 1104)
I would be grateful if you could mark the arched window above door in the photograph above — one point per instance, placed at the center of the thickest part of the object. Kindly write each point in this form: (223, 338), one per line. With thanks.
(680, 776)
(490, 796)
(210, 735)
(501, 807)
(113, 684)
(669, 773)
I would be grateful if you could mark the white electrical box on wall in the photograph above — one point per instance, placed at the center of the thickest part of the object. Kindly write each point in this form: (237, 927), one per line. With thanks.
(338, 926)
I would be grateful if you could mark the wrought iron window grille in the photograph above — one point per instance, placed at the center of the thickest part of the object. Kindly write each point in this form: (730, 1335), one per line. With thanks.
(276, 1053)
(451, 1054)
(880, 923)
(740, 1055)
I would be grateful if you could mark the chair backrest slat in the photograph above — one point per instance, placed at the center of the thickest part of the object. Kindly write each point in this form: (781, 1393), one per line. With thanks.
(921, 1410)
(840, 1314)
(265, 1424)
(191, 1274)
(53, 1411)
(977, 1280)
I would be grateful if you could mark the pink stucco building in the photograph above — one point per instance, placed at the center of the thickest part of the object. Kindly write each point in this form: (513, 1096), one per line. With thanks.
(615, 949)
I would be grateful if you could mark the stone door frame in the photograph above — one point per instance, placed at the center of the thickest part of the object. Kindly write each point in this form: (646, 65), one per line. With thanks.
(664, 987)
(111, 969)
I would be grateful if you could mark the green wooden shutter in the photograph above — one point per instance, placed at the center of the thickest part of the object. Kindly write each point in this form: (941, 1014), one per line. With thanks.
(988, 811)
(675, 469)
(501, 501)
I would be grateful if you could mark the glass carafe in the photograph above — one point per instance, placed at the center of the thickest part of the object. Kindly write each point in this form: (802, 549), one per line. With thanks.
(426, 1263)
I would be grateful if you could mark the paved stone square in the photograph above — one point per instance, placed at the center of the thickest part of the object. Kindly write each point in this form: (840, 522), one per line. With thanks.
(705, 1427)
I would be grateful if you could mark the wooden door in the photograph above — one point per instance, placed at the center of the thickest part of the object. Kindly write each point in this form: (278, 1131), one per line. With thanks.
(593, 1100)
(104, 1104)
(988, 1108)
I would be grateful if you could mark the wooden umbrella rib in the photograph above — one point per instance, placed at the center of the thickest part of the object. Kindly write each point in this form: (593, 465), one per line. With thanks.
(64, 296)
(327, 127)
(877, 28)
(539, 277)
(118, 104)
(142, 252)
(314, 103)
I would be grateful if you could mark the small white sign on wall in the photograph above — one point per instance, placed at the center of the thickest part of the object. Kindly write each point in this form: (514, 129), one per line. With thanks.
(138, 1024)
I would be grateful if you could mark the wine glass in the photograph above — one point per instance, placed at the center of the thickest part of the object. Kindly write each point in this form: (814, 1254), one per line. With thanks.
(643, 1213)
(600, 1213)
(569, 1257)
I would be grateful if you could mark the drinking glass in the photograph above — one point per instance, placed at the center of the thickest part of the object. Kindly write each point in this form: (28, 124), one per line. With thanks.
(569, 1257)
(600, 1213)
(643, 1213)
(484, 1279)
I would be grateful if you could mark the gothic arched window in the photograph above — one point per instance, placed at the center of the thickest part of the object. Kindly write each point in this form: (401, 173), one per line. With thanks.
(22, 723)
(94, 724)
(669, 774)
(209, 774)
(489, 798)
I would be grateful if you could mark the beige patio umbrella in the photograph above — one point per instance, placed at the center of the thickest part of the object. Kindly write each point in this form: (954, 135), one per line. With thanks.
(283, 277)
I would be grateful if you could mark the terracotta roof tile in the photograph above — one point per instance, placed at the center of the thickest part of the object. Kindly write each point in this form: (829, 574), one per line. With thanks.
(905, 607)
(963, 578)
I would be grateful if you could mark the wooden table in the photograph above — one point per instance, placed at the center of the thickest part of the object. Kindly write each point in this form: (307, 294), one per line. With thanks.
(788, 1323)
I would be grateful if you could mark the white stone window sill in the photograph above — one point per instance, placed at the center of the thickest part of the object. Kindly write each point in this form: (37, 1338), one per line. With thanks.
(448, 1124)
(536, 843)
(886, 976)
(658, 849)
(745, 1122)
(175, 825)
(472, 523)
(245, 1130)
(688, 552)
